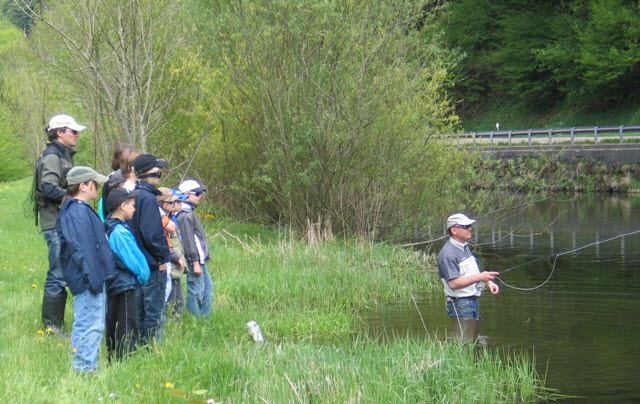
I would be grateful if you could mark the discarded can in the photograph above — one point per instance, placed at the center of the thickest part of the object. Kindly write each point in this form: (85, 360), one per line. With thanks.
(254, 331)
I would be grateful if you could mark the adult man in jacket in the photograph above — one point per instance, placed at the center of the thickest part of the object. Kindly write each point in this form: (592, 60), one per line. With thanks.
(50, 185)
(146, 226)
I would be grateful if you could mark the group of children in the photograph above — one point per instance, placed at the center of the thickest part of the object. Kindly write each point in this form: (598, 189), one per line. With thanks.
(124, 263)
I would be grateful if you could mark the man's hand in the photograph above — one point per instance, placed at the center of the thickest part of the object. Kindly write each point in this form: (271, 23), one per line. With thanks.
(487, 276)
(181, 263)
(493, 288)
(162, 268)
(197, 270)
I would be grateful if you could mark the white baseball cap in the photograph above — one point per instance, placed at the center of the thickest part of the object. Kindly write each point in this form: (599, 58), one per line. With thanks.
(459, 219)
(191, 185)
(64, 121)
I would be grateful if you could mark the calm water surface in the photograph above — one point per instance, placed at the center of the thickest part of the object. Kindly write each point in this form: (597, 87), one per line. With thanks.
(583, 326)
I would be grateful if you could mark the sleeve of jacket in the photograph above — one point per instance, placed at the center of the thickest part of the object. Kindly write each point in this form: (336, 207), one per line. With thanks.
(151, 231)
(70, 227)
(186, 223)
(50, 178)
(123, 244)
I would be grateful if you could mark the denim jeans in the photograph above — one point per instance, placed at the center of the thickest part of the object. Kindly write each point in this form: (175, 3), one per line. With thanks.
(464, 307)
(150, 302)
(55, 284)
(199, 292)
(88, 327)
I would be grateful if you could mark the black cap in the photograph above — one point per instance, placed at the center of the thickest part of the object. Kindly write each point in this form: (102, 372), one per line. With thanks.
(117, 196)
(146, 162)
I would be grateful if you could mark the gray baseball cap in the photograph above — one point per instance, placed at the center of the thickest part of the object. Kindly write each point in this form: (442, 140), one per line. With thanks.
(80, 174)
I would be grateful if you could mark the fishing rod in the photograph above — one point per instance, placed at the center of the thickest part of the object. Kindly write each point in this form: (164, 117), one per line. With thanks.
(556, 256)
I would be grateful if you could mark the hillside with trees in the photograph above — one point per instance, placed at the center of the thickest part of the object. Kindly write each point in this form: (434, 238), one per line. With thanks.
(531, 59)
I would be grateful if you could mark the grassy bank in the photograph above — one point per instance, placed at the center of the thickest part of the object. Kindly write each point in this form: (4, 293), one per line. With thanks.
(512, 116)
(550, 174)
(306, 299)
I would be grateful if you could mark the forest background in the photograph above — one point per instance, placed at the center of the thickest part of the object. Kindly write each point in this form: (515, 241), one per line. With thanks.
(332, 115)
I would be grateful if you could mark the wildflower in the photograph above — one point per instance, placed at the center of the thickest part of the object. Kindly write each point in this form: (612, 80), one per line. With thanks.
(168, 385)
(49, 330)
(60, 345)
(112, 395)
(74, 350)
(138, 385)
(40, 333)
(33, 285)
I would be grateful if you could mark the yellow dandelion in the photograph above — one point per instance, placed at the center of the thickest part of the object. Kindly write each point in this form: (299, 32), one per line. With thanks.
(40, 333)
(138, 385)
(49, 330)
(34, 285)
(74, 350)
(168, 385)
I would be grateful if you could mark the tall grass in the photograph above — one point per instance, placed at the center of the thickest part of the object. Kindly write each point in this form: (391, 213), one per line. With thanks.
(305, 297)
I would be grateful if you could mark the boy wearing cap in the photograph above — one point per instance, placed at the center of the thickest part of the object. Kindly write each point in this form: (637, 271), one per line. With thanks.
(171, 202)
(49, 191)
(87, 263)
(146, 225)
(196, 251)
(462, 279)
(131, 270)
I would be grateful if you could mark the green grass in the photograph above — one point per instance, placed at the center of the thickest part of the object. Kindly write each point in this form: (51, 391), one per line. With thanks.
(512, 116)
(307, 300)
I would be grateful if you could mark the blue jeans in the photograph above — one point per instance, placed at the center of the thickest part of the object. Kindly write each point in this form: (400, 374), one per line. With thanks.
(199, 292)
(88, 327)
(55, 284)
(150, 302)
(464, 307)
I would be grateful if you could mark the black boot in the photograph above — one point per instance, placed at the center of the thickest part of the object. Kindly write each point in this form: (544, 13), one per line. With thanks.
(53, 313)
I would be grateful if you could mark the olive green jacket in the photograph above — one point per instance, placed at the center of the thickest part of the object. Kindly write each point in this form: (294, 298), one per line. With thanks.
(50, 182)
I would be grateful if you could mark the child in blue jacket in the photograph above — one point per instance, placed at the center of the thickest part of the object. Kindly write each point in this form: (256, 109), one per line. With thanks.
(131, 270)
(86, 262)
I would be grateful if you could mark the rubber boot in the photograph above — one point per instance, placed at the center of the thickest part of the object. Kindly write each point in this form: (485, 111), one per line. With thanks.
(465, 329)
(53, 313)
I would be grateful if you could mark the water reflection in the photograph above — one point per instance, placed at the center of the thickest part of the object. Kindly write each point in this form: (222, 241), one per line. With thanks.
(583, 324)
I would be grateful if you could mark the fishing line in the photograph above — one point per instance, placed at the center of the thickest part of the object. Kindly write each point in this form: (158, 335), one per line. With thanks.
(556, 256)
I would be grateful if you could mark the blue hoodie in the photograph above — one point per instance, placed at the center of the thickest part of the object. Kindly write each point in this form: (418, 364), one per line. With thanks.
(131, 265)
(85, 256)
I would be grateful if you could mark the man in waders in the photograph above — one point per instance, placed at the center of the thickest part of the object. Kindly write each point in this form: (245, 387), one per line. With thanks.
(50, 188)
(462, 279)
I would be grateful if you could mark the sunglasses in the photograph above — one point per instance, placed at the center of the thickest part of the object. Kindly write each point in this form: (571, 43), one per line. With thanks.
(465, 227)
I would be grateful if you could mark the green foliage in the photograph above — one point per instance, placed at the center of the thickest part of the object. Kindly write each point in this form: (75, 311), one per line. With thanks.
(20, 12)
(13, 164)
(329, 112)
(547, 52)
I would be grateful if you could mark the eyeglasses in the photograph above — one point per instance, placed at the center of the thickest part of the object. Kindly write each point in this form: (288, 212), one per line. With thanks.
(464, 227)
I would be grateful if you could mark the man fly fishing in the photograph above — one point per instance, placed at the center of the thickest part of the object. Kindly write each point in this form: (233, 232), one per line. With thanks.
(462, 279)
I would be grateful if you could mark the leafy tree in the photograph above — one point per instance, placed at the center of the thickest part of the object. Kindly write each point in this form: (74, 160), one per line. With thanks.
(20, 12)
(329, 113)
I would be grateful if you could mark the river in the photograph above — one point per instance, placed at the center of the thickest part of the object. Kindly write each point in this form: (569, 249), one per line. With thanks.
(583, 325)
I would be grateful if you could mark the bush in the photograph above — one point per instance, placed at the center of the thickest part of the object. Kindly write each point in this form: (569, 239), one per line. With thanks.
(329, 113)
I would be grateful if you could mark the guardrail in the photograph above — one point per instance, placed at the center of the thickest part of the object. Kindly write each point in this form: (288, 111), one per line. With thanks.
(597, 133)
